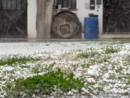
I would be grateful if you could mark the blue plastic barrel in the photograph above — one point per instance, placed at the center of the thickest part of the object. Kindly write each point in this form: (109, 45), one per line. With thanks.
(91, 28)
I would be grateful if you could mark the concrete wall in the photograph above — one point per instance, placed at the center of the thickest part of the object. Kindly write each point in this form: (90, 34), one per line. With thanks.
(84, 10)
(82, 13)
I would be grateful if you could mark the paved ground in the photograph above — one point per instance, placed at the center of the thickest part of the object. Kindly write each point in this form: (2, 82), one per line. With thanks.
(24, 47)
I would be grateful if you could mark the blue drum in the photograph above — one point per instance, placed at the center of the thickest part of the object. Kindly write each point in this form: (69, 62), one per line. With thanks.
(91, 28)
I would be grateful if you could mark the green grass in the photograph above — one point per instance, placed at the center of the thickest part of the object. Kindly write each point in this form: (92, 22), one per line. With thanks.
(90, 87)
(45, 84)
(111, 49)
(88, 54)
(38, 69)
(128, 83)
(13, 59)
(42, 68)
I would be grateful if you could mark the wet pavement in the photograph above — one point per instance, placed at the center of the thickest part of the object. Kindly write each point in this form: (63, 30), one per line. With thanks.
(22, 46)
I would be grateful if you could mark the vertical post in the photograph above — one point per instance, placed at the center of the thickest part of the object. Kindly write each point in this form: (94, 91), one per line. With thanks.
(48, 18)
(40, 18)
(44, 18)
(31, 20)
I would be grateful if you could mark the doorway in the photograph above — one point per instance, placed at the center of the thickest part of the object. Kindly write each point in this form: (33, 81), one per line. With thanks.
(116, 16)
(13, 18)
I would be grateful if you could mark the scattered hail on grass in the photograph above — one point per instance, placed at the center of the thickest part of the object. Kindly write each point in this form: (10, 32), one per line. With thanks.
(87, 72)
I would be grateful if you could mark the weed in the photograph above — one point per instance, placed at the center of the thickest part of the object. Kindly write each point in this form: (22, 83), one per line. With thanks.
(112, 76)
(49, 57)
(49, 68)
(91, 88)
(88, 54)
(38, 69)
(118, 70)
(1, 78)
(45, 84)
(41, 68)
(126, 60)
(111, 49)
(13, 59)
(128, 83)
(86, 65)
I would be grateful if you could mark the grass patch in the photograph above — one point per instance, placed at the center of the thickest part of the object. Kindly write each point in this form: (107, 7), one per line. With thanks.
(88, 54)
(111, 49)
(42, 68)
(13, 59)
(91, 88)
(45, 84)
(128, 83)
(38, 69)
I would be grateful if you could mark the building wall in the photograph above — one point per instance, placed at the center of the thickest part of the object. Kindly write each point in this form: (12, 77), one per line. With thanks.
(84, 10)
(82, 13)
